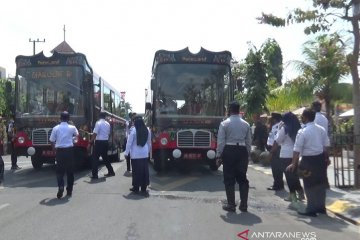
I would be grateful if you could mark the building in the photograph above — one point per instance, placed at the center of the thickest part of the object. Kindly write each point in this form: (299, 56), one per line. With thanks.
(2, 73)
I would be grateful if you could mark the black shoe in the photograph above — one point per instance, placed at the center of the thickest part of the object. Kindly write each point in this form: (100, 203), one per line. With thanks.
(322, 211)
(68, 193)
(16, 167)
(309, 214)
(243, 207)
(275, 188)
(144, 193)
(134, 190)
(110, 174)
(229, 207)
(60, 193)
(94, 177)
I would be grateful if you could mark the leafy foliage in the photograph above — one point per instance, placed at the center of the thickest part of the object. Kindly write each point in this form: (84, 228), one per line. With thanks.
(273, 59)
(255, 82)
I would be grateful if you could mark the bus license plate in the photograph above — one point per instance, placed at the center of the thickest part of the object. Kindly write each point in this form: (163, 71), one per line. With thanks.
(193, 156)
(48, 153)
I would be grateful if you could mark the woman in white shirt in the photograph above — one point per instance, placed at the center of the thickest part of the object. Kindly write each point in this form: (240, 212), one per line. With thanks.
(285, 137)
(139, 146)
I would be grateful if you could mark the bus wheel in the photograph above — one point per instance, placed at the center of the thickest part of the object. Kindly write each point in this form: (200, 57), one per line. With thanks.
(36, 162)
(213, 166)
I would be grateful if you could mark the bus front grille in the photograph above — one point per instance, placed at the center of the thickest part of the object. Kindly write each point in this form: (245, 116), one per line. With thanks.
(194, 138)
(41, 136)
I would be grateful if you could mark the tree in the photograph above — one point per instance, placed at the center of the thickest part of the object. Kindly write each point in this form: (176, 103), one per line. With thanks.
(273, 59)
(6, 97)
(255, 82)
(321, 18)
(325, 64)
(292, 95)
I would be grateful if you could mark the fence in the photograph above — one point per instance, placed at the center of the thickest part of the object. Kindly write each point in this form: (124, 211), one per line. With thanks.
(342, 153)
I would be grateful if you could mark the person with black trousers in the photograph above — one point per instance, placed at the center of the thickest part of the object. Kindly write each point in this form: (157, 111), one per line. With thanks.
(11, 140)
(139, 146)
(312, 144)
(274, 149)
(285, 138)
(233, 149)
(61, 139)
(100, 140)
(129, 127)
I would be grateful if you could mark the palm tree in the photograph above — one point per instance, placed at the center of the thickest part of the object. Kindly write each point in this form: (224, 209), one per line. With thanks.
(325, 64)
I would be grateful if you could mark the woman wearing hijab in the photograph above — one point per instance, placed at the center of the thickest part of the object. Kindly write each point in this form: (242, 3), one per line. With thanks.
(139, 146)
(285, 137)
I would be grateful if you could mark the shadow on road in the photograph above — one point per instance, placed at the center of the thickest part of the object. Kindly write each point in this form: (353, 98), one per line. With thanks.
(54, 201)
(246, 218)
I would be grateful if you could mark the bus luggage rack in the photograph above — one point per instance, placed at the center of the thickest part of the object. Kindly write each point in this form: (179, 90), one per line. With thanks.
(193, 138)
(41, 136)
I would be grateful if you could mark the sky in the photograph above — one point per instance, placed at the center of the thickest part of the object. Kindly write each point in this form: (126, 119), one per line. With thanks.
(120, 37)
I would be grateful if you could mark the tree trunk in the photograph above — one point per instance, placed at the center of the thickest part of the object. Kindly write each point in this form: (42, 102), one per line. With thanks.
(353, 63)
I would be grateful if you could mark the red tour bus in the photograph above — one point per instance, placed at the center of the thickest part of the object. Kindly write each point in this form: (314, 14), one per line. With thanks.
(46, 86)
(188, 95)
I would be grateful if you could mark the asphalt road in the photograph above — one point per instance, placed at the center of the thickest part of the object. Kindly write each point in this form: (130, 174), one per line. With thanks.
(180, 206)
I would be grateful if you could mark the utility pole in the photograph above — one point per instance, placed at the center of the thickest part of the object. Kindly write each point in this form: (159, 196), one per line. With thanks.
(35, 41)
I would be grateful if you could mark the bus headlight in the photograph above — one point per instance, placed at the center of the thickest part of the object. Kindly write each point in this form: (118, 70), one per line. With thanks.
(21, 140)
(31, 151)
(176, 153)
(164, 141)
(211, 154)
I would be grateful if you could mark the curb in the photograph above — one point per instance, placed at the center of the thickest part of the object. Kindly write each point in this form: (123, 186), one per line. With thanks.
(339, 208)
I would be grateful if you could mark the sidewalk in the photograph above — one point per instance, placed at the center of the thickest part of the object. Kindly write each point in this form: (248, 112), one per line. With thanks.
(343, 203)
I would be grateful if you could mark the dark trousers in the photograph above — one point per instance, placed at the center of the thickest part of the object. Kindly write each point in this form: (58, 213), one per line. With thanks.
(1, 168)
(128, 163)
(235, 165)
(65, 164)
(140, 173)
(292, 178)
(276, 169)
(101, 149)
(13, 154)
(315, 181)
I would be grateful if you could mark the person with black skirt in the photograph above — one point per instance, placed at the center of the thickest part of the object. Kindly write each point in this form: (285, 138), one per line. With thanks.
(138, 146)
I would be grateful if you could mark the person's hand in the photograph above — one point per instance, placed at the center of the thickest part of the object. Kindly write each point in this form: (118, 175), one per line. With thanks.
(328, 162)
(291, 168)
(218, 162)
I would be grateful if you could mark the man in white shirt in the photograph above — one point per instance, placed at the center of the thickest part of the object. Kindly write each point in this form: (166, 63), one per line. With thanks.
(61, 139)
(100, 138)
(312, 144)
(319, 117)
(274, 148)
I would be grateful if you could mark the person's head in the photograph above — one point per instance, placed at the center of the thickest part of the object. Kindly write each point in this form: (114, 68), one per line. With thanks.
(308, 115)
(141, 131)
(234, 108)
(275, 118)
(130, 115)
(102, 115)
(291, 124)
(64, 116)
(316, 106)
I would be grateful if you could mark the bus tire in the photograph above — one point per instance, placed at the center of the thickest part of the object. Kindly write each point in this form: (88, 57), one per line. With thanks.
(36, 162)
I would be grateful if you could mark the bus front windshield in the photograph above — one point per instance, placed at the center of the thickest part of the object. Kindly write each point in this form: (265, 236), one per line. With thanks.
(46, 91)
(191, 89)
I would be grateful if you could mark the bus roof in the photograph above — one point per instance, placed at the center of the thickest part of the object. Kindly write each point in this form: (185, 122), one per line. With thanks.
(185, 56)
